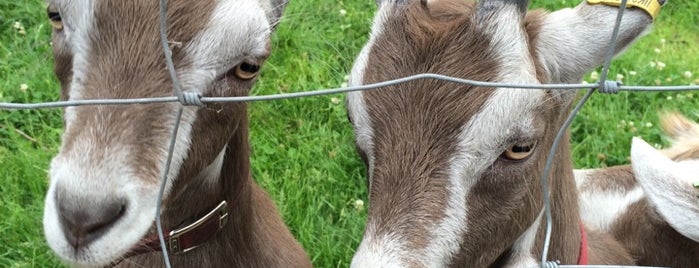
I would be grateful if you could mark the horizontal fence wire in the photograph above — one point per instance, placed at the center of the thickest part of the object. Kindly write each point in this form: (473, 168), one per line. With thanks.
(339, 90)
(188, 98)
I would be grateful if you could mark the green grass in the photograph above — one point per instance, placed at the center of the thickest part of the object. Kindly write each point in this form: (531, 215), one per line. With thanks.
(303, 151)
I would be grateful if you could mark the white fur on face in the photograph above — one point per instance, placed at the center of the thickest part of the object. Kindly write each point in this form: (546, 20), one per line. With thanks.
(78, 22)
(481, 141)
(66, 172)
(669, 186)
(356, 107)
(524, 246)
(211, 173)
(237, 31)
(385, 251)
(485, 137)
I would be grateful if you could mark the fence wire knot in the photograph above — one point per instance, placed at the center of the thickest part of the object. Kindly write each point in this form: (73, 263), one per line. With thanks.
(609, 87)
(191, 99)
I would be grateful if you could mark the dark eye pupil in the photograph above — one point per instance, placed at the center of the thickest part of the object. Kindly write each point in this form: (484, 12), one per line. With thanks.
(250, 68)
(521, 149)
(54, 16)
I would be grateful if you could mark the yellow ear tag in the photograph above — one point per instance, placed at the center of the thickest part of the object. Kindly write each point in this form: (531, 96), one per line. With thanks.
(652, 7)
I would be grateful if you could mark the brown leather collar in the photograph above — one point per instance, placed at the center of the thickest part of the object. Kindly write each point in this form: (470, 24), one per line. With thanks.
(186, 238)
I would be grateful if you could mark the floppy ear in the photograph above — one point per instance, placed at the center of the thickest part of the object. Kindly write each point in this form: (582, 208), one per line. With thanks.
(668, 186)
(573, 41)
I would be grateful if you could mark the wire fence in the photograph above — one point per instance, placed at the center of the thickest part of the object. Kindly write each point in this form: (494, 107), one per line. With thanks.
(195, 99)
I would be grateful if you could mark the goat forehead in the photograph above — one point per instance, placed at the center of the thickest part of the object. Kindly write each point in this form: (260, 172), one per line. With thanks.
(114, 42)
(414, 39)
(431, 140)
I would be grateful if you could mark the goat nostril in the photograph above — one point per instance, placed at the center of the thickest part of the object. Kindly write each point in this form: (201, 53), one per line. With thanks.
(83, 225)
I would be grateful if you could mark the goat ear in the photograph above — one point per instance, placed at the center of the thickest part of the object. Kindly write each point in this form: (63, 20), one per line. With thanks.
(668, 186)
(573, 41)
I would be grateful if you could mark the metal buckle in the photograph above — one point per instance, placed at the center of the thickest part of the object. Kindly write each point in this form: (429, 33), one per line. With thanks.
(221, 211)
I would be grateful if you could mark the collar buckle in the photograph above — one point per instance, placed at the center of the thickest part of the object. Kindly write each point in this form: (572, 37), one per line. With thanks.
(191, 236)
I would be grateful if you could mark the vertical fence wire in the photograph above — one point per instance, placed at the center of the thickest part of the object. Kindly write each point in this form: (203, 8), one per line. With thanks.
(177, 90)
(564, 128)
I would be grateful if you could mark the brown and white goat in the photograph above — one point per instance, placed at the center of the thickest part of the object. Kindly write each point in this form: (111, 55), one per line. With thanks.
(649, 206)
(104, 180)
(454, 169)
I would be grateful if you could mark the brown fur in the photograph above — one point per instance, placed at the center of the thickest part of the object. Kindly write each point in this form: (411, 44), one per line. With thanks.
(607, 249)
(253, 237)
(127, 62)
(599, 180)
(397, 108)
(650, 240)
(440, 37)
(416, 125)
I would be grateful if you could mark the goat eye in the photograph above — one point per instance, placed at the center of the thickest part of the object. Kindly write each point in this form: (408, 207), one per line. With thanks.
(519, 151)
(246, 71)
(54, 17)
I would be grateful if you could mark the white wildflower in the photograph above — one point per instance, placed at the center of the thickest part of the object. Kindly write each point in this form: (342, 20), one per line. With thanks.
(660, 65)
(19, 27)
(358, 204)
(687, 74)
(619, 77)
(594, 76)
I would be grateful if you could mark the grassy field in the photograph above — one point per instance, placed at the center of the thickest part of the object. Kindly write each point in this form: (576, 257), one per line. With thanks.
(303, 148)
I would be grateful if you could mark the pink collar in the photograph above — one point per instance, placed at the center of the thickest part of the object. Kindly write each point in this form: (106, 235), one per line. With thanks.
(583, 257)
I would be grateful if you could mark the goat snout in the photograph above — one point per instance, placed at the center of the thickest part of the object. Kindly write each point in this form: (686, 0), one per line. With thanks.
(84, 222)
